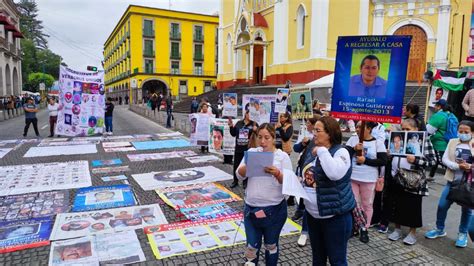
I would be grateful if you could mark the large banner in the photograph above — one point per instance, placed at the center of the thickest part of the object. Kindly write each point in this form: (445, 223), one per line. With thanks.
(301, 101)
(470, 52)
(23, 234)
(78, 224)
(181, 177)
(199, 134)
(34, 205)
(261, 107)
(81, 103)
(19, 179)
(221, 141)
(230, 105)
(104, 197)
(370, 77)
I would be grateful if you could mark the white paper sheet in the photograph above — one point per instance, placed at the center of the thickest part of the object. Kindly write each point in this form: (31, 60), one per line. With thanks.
(60, 150)
(257, 161)
(292, 186)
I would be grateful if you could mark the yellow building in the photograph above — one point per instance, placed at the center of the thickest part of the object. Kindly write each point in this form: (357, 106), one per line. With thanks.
(156, 50)
(271, 41)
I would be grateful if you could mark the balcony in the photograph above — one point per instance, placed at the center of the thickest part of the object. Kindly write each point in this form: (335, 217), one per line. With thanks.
(198, 37)
(175, 56)
(148, 33)
(174, 71)
(198, 57)
(148, 53)
(175, 35)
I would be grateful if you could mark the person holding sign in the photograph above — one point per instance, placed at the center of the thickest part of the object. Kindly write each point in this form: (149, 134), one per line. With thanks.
(458, 159)
(242, 131)
(406, 204)
(265, 209)
(329, 184)
(284, 132)
(204, 109)
(368, 83)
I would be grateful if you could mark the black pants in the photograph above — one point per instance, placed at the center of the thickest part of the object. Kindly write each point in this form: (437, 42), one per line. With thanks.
(28, 121)
(439, 158)
(228, 159)
(238, 156)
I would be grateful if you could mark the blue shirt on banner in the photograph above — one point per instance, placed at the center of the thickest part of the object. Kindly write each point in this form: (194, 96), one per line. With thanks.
(376, 90)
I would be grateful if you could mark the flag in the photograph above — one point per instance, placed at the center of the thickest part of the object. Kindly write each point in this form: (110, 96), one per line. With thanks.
(450, 80)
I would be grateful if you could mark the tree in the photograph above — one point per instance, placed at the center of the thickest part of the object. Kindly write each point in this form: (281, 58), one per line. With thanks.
(34, 80)
(30, 25)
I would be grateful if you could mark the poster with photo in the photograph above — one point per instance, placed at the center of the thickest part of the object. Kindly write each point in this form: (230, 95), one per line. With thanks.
(27, 178)
(103, 197)
(220, 139)
(80, 251)
(181, 177)
(203, 159)
(301, 101)
(404, 143)
(115, 161)
(113, 169)
(34, 205)
(81, 103)
(281, 101)
(194, 196)
(208, 212)
(261, 107)
(159, 156)
(230, 105)
(437, 94)
(23, 234)
(78, 224)
(199, 134)
(370, 77)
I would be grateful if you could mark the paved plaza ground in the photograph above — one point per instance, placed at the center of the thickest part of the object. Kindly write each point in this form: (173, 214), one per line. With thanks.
(378, 251)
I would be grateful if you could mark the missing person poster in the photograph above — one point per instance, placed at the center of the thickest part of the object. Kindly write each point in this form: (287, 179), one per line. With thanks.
(261, 107)
(437, 94)
(199, 134)
(208, 212)
(104, 197)
(81, 103)
(23, 234)
(404, 143)
(230, 105)
(301, 101)
(220, 139)
(281, 101)
(34, 205)
(370, 77)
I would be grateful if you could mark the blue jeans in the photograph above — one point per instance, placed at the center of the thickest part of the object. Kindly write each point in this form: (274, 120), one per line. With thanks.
(108, 124)
(443, 206)
(329, 238)
(268, 227)
(471, 230)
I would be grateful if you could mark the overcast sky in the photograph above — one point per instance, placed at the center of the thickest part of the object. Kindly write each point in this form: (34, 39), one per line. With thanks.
(79, 28)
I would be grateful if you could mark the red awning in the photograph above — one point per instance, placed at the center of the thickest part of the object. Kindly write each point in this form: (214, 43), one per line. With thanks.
(10, 27)
(3, 20)
(259, 20)
(18, 34)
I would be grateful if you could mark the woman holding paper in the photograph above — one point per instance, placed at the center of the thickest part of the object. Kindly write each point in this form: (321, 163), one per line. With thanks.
(265, 209)
(328, 184)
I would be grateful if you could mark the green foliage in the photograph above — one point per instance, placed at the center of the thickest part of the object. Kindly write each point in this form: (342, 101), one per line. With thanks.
(34, 80)
(31, 26)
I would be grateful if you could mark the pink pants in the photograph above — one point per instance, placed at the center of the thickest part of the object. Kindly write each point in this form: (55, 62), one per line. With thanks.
(364, 195)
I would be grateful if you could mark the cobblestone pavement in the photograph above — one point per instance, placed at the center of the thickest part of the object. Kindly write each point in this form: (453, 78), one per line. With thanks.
(378, 251)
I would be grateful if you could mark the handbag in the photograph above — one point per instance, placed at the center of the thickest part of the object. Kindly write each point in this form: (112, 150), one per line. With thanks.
(463, 192)
(411, 180)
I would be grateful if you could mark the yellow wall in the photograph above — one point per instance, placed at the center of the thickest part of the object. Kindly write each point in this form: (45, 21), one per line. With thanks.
(295, 53)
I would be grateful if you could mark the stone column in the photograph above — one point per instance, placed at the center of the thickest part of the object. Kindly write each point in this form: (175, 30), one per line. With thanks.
(442, 38)
(264, 74)
(251, 62)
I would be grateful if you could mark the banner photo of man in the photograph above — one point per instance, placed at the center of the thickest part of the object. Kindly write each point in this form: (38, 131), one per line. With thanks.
(103, 197)
(81, 103)
(281, 102)
(261, 107)
(370, 76)
(437, 94)
(230, 105)
(199, 134)
(221, 141)
(301, 103)
(23, 234)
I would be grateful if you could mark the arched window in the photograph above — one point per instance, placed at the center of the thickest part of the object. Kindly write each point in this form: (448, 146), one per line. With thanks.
(300, 24)
(229, 49)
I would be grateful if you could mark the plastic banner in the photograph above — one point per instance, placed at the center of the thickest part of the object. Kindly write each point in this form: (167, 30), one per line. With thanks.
(103, 197)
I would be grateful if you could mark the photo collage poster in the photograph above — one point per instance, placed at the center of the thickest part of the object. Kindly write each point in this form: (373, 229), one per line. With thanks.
(103, 197)
(261, 107)
(208, 212)
(220, 139)
(230, 105)
(81, 103)
(26, 233)
(199, 134)
(404, 143)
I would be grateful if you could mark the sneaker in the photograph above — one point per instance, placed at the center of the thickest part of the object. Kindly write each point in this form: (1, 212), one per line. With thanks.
(302, 240)
(395, 235)
(410, 239)
(364, 236)
(435, 233)
(461, 242)
(383, 229)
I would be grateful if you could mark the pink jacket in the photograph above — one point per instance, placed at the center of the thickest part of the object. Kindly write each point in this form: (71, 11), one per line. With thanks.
(468, 103)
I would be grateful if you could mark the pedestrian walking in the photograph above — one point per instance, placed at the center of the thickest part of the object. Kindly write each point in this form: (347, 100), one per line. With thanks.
(265, 210)
(109, 111)
(30, 116)
(53, 115)
(365, 170)
(154, 103)
(169, 111)
(329, 213)
(243, 131)
(11, 104)
(194, 105)
(458, 160)
(406, 203)
(126, 99)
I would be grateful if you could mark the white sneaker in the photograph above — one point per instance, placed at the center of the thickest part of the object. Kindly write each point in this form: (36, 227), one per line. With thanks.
(302, 240)
(410, 239)
(395, 235)
(111, 133)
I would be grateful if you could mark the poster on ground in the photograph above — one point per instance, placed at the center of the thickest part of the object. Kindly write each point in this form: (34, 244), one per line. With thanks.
(437, 94)
(113, 178)
(370, 77)
(160, 144)
(112, 169)
(103, 197)
(4, 151)
(115, 161)
(81, 103)
(27, 178)
(34, 205)
(230, 105)
(60, 150)
(23, 234)
(199, 134)
(80, 251)
(261, 107)
(159, 156)
(181, 177)
(198, 195)
(281, 101)
(301, 101)
(203, 159)
(220, 139)
(78, 224)
(208, 212)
